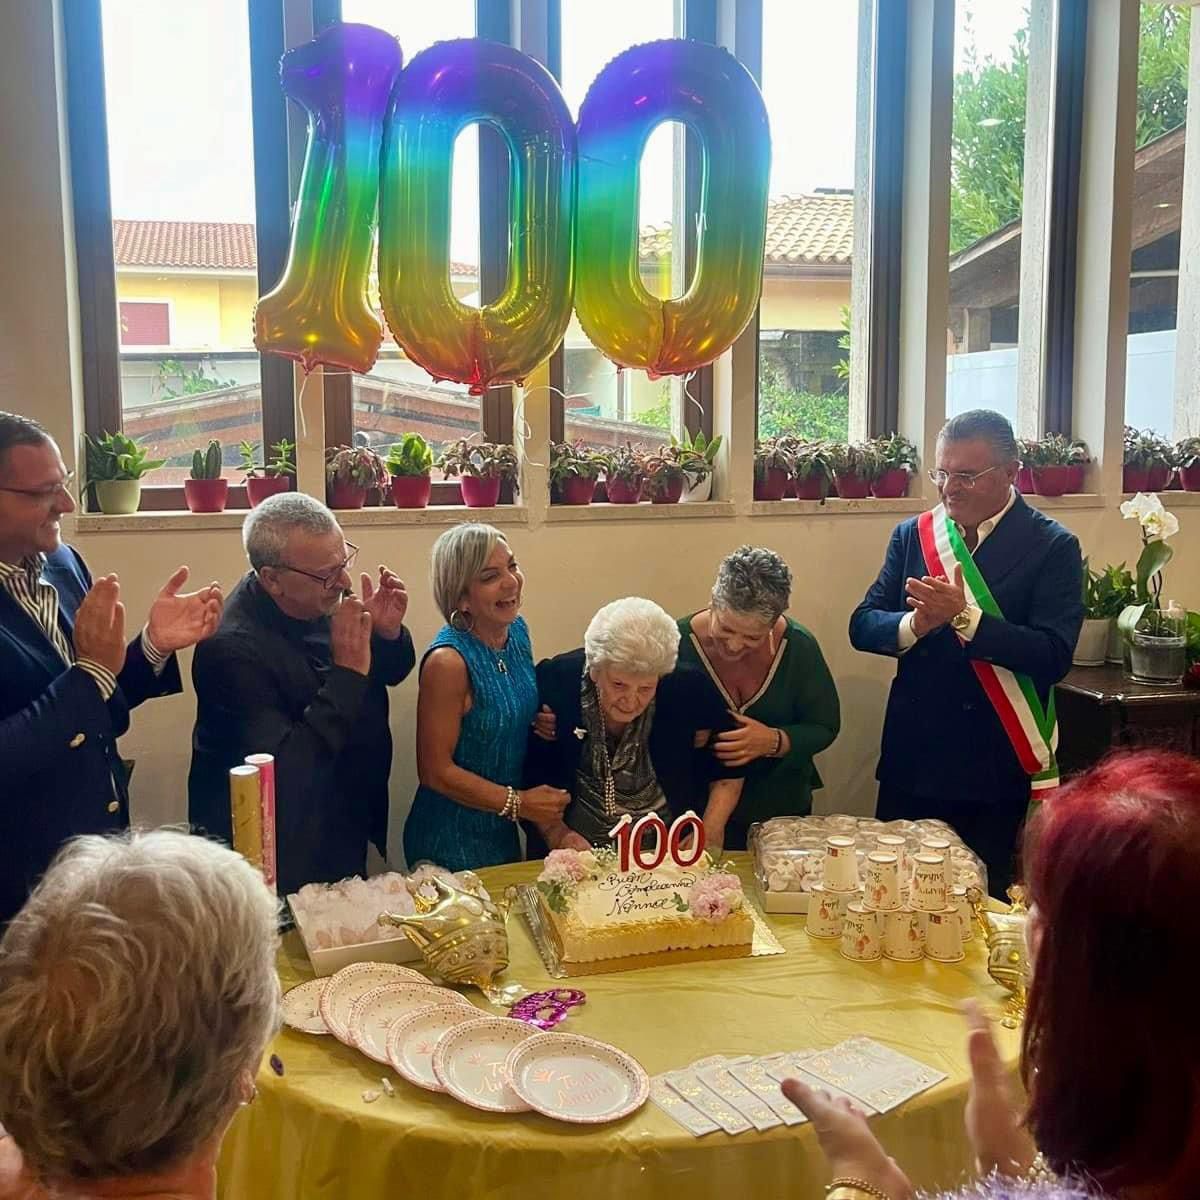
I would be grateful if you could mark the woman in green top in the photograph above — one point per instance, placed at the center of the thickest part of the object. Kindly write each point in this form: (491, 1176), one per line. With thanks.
(773, 676)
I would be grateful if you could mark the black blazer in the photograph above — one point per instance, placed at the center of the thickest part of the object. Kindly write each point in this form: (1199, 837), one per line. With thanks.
(265, 684)
(58, 752)
(686, 702)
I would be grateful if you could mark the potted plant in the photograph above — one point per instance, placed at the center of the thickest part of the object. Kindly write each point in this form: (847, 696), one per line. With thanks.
(1187, 459)
(1080, 459)
(410, 463)
(773, 463)
(663, 476)
(1152, 636)
(1025, 474)
(697, 457)
(1105, 595)
(115, 467)
(351, 472)
(574, 470)
(206, 491)
(893, 461)
(851, 466)
(1050, 460)
(812, 473)
(482, 467)
(623, 475)
(272, 477)
(1147, 466)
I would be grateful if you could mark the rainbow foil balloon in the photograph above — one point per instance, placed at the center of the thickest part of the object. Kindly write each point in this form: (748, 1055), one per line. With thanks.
(319, 311)
(441, 90)
(707, 89)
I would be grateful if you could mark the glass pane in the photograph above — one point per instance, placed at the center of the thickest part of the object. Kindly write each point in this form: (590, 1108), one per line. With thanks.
(606, 406)
(396, 396)
(803, 359)
(1163, 61)
(182, 175)
(991, 70)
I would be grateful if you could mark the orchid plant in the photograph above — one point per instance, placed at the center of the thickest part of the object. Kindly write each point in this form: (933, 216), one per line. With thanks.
(1156, 527)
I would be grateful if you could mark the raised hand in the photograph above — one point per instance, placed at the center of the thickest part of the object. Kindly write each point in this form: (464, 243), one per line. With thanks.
(99, 634)
(993, 1115)
(387, 602)
(181, 619)
(934, 601)
(350, 636)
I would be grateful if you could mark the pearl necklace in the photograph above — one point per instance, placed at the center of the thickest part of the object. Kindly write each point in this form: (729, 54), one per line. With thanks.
(610, 783)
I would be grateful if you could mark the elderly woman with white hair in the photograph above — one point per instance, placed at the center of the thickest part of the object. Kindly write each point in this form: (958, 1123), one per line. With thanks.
(477, 700)
(630, 730)
(137, 997)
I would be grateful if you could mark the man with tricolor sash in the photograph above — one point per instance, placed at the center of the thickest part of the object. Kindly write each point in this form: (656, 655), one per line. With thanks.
(980, 601)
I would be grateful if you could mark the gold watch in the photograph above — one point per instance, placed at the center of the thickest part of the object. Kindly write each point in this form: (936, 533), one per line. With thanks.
(961, 621)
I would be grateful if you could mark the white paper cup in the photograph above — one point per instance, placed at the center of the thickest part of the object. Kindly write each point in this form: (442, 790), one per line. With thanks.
(841, 864)
(929, 882)
(882, 885)
(936, 845)
(960, 903)
(943, 936)
(903, 937)
(861, 939)
(826, 914)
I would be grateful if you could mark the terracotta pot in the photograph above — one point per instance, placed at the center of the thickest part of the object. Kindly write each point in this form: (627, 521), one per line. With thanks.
(480, 493)
(576, 490)
(206, 495)
(814, 487)
(670, 494)
(1190, 477)
(346, 495)
(891, 484)
(1051, 480)
(118, 496)
(259, 487)
(621, 491)
(851, 486)
(772, 486)
(1025, 481)
(411, 491)
(1075, 478)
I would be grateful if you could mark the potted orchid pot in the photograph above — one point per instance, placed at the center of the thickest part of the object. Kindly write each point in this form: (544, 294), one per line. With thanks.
(773, 464)
(574, 470)
(1050, 460)
(269, 478)
(351, 474)
(410, 464)
(812, 474)
(1148, 461)
(663, 477)
(698, 458)
(1187, 459)
(851, 466)
(481, 468)
(893, 462)
(206, 491)
(116, 465)
(1106, 594)
(623, 475)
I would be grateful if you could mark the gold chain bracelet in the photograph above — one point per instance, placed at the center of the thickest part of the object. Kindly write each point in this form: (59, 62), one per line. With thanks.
(846, 1188)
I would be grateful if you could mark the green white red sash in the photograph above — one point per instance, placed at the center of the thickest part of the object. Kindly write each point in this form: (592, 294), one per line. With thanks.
(1031, 727)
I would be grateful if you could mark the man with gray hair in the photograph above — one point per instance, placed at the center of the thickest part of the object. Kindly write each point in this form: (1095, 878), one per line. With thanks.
(299, 669)
(979, 599)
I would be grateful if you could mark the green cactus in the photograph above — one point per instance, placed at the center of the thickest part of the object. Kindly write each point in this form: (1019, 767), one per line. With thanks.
(207, 464)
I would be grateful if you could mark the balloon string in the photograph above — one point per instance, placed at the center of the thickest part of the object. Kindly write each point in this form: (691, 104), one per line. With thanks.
(300, 407)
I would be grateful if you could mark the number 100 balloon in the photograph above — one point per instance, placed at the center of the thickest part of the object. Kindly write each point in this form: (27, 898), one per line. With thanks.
(383, 137)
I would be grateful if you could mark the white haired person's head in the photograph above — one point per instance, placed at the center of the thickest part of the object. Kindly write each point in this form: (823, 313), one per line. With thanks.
(629, 646)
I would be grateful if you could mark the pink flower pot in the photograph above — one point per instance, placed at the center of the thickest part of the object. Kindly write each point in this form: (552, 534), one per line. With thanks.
(622, 491)
(814, 487)
(1190, 477)
(346, 495)
(772, 486)
(669, 494)
(1051, 480)
(1159, 477)
(480, 493)
(891, 484)
(852, 486)
(1075, 477)
(206, 495)
(576, 490)
(411, 491)
(259, 487)
(1135, 479)
(1025, 481)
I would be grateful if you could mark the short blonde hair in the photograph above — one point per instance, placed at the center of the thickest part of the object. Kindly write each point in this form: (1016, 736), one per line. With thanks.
(458, 557)
(136, 986)
(634, 635)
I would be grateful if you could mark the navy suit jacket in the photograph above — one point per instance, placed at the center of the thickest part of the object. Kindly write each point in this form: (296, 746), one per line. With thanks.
(61, 772)
(940, 731)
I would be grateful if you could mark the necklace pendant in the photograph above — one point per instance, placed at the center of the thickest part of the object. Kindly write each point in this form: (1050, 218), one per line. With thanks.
(502, 666)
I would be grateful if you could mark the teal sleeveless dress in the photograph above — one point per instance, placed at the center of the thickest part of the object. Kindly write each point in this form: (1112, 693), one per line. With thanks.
(491, 743)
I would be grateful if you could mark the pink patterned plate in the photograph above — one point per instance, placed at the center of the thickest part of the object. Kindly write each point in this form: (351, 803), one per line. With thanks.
(575, 1078)
(376, 1011)
(411, 1041)
(301, 1007)
(346, 985)
(468, 1061)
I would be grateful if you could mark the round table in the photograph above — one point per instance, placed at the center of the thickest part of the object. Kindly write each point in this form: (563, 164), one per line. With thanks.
(310, 1135)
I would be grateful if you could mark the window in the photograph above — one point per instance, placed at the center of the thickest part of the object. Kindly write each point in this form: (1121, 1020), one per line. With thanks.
(803, 351)
(1158, 166)
(145, 322)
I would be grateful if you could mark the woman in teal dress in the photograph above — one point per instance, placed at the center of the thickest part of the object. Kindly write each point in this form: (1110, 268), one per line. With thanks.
(773, 677)
(476, 702)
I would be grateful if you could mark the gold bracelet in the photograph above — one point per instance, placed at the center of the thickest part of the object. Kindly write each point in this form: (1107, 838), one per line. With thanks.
(1040, 1171)
(846, 1188)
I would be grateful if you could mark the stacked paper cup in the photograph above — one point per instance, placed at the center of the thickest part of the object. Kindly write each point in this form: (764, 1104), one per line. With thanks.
(830, 900)
(931, 897)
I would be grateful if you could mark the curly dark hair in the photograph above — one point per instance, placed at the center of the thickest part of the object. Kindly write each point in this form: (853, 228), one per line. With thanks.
(755, 581)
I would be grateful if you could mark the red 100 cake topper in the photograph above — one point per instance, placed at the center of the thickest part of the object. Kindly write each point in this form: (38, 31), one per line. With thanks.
(668, 843)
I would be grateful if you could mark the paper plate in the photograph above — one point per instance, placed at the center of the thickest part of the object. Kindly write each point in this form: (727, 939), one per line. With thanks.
(301, 1007)
(575, 1078)
(411, 1041)
(468, 1062)
(344, 987)
(376, 1011)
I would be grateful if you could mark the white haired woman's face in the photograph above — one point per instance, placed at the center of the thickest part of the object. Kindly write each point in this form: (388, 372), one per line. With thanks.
(624, 695)
(736, 635)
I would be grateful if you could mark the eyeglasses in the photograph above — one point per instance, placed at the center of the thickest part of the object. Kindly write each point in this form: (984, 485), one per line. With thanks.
(941, 478)
(330, 579)
(46, 494)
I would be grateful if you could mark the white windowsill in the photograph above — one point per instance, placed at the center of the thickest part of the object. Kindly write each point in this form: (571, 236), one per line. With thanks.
(833, 506)
(1075, 500)
(557, 514)
(348, 518)
(1172, 499)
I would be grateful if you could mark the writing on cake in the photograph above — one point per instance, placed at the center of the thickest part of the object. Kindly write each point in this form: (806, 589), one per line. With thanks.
(642, 891)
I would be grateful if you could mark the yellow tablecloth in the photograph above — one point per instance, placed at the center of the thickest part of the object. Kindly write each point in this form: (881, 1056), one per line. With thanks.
(310, 1136)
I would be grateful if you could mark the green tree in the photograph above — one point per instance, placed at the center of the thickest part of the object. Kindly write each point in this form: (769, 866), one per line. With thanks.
(988, 138)
(783, 410)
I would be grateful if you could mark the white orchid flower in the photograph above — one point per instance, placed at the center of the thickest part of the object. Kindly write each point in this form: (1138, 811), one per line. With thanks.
(1140, 507)
(1160, 525)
